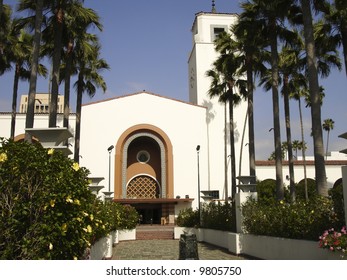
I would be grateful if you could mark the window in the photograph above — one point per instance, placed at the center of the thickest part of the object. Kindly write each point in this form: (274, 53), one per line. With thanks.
(216, 30)
(143, 156)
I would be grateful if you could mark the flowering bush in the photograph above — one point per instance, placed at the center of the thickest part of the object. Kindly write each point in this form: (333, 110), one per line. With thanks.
(46, 208)
(334, 240)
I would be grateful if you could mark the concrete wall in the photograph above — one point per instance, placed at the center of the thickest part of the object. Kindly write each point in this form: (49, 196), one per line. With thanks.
(262, 247)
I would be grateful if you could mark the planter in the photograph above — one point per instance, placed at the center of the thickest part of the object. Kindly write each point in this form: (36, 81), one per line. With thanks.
(102, 249)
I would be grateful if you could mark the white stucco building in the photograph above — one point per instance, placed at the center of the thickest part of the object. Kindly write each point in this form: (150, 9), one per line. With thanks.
(144, 145)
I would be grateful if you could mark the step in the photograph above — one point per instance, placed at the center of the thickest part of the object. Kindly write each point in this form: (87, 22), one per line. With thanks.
(147, 232)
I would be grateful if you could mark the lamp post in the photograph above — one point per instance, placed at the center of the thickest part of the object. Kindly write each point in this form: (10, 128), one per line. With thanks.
(109, 149)
(108, 194)
(197, 152)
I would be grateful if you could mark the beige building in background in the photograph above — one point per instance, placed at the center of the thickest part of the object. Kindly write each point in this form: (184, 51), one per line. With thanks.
(41, 103)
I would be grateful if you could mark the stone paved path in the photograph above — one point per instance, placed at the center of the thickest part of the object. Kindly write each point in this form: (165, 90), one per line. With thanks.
(166, 250)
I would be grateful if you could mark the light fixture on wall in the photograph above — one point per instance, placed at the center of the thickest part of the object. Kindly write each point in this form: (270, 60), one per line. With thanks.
(109, 149)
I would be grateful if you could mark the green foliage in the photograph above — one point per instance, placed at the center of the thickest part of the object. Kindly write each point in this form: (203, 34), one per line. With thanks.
(299, 220)
(218, 216)
(311, 189)
(47, 210)
(188, 218)
(45, 204)
(336, 195)
(266, 190)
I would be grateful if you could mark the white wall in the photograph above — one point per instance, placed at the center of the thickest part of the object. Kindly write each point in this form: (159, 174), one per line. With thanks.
(104, 122)
(333, 173)
(200, 61)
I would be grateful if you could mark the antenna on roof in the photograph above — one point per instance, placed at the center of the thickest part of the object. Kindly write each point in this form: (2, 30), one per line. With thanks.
(213, 6)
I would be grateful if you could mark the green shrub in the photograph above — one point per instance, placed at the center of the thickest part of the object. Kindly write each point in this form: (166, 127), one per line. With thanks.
(47, 210)
(336, 195)
(299, 220)
(188, 218)
(218, 216)
(311, 189)
(266, 190)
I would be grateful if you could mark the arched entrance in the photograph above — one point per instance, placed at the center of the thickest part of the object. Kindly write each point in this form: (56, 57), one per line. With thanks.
(144, 172)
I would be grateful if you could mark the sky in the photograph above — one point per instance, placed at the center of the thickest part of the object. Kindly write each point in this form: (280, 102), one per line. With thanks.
(147, 44)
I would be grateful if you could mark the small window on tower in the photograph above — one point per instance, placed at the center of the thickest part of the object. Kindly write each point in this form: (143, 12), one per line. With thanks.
(217, 31)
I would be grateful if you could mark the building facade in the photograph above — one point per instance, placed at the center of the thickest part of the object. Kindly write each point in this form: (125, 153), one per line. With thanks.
(42, 101)
(155, 153)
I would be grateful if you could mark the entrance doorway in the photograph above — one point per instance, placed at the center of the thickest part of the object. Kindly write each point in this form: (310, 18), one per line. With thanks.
(149, 213)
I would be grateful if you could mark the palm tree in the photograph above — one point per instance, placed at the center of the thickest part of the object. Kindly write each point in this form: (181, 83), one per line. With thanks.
(20, 53)
(271, 14)
(249, 44)
(78, 20)
(224, 78)
(328, 124)
(34, 63)
(321, 181)
(5, 22)
(89, 65)
(336, 23)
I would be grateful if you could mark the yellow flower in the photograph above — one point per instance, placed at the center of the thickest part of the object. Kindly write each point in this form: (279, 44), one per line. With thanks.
(75, 258)
(52, 203)
(50, 151)
(68, 199)
(91, 217)
(64, 227)
(3, 157)
(75, 166)
(76, 201)
(89, 229)
(50, 246)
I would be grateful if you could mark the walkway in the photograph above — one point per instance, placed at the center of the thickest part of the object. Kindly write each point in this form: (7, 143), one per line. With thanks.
(166, 250)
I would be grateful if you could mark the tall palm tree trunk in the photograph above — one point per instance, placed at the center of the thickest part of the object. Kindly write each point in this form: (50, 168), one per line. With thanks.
(321, 181)
(29, 122)
(226, 194)
(232, 147)
(67, 82)
(327, 148)
(58, 31)
(303, 149)
(251, 145)
(276, 118)
(14, 101)
(289, 139)
(78, 118)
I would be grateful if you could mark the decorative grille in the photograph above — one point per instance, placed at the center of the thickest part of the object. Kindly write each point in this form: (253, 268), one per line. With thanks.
(143, 187)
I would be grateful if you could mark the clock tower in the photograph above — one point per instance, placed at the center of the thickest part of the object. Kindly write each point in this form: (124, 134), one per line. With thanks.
(205, 29)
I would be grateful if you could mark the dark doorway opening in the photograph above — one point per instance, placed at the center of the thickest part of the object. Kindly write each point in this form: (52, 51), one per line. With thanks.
(149, 213)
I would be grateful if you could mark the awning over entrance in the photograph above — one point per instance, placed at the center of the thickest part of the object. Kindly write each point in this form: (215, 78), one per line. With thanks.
(152, 201)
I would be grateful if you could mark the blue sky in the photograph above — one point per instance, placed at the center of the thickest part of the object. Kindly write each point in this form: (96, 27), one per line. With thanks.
(147, 44)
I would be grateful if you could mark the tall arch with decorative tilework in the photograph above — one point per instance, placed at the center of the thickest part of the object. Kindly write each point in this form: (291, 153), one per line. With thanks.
(159, 139)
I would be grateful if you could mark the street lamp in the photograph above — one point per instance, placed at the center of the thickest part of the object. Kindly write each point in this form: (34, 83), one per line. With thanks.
(109, 149)
(197, 152)
(108, 194)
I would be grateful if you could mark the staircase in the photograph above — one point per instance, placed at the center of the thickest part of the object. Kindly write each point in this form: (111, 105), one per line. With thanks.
(151, 232)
